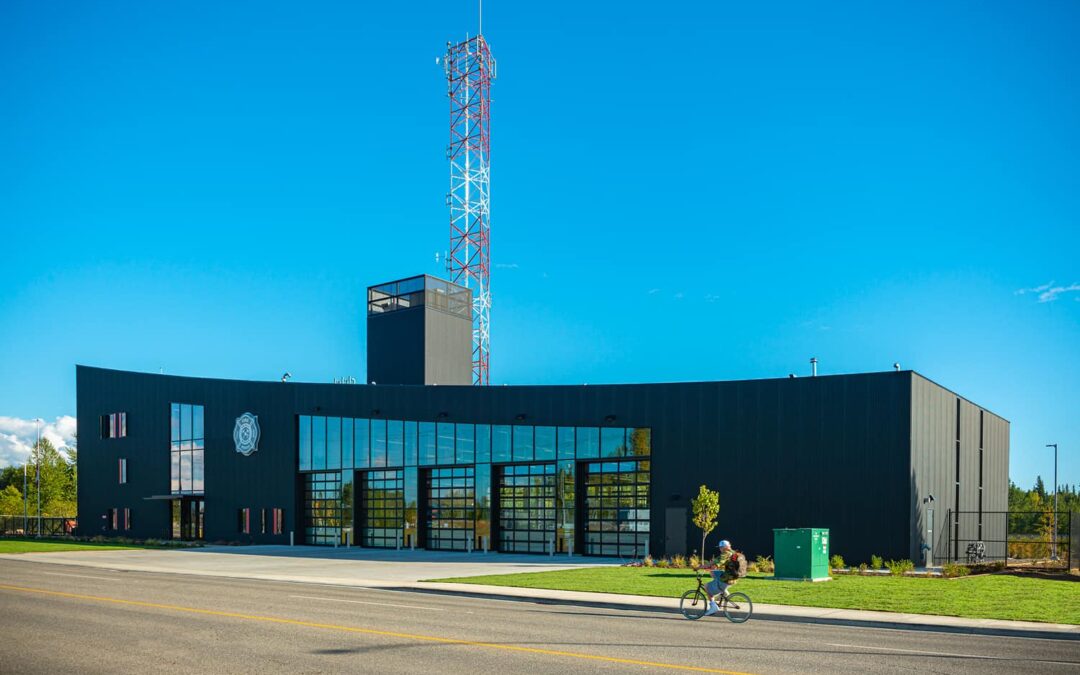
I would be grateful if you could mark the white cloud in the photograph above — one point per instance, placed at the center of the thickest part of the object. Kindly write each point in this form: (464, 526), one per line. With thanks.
(1049, 292)
(17, 436)
(654, 291)
(506, 266)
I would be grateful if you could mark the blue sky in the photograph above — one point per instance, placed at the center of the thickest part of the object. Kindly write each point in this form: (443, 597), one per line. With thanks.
(679, 192)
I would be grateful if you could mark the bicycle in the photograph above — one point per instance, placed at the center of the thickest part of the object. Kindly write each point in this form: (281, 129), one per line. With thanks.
(737, 607)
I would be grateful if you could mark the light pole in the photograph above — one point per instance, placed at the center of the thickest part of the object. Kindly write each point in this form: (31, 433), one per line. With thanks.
(1053, 553)
(37, 470)
(25, 510)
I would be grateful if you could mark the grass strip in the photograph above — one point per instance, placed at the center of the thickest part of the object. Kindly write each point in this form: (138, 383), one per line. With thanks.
(56, 545)
(997, 596)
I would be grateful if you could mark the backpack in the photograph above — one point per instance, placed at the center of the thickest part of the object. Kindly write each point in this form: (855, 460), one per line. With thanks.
(736, 565)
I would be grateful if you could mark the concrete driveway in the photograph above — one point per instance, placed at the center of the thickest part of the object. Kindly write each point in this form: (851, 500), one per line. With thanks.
(314, 564)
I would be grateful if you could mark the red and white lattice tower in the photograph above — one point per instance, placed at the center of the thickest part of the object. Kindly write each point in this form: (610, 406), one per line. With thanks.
(470, 68)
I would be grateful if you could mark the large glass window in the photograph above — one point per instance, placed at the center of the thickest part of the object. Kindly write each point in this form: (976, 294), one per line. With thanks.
(304, 440)
(346, 443)
(427, 443)
(588, 443)
(318, 442)
(444, 453)
(639, 441)
(333, 442)
(612, 442)
(186, 472)
(482, 539)
(545, 444)
(361, 444)
(347, 497)
(523, 443)
(483, 443)
(395, 443)
(378, 443)
(412, 502)
(465, 452)
(500, 443)
(410, 444)
(566, 442)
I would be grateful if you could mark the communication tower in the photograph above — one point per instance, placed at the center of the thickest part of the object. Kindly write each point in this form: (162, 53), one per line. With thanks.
(470, 69)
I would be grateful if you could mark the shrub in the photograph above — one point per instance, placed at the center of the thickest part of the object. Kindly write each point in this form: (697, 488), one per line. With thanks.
(837, 562)
(876, 562)
(765, 564)
(694, 561)
(863, 567)
(648, 561)
(678, 561)
(898, 567)
(663, 563)
(951, 569)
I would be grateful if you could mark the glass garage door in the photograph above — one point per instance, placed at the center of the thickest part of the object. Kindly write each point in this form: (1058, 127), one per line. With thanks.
(451, 508)
(382, 509)
(616, 508)
(526, 508)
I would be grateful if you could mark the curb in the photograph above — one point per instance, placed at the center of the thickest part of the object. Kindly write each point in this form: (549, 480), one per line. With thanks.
(1068, 634)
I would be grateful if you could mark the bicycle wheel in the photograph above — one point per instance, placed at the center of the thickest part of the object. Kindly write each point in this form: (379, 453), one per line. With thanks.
(693, 604)
(738, 607)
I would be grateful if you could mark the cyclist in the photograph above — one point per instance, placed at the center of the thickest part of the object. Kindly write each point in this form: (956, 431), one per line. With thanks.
(722, 578)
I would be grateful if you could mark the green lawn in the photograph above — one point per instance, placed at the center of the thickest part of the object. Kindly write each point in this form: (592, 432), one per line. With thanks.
(52, 545)
(996, 596)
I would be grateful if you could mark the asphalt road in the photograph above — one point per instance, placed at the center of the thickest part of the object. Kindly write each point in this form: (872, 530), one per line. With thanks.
(59, 619)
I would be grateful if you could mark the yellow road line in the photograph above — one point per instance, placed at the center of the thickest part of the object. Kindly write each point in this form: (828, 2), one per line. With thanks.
(366, 631)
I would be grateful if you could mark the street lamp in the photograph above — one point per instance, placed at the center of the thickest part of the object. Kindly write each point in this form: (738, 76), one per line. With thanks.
(1053, 554)
(37, 470)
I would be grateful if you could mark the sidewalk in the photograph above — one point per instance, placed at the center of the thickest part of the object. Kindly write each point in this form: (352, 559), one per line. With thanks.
(823, 615)
(405, 570)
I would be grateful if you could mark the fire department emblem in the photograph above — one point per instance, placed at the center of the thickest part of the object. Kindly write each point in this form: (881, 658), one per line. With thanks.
(246, 434)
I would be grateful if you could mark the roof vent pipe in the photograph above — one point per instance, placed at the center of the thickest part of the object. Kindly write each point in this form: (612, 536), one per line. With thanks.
(813, 366)
(896, 366)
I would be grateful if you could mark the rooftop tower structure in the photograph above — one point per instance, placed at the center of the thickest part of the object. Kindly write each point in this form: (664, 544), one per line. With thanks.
(418, 332)
(470, 69)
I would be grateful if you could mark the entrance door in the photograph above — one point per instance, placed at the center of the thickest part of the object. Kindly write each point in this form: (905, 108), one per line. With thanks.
(526, 508)
(187, 518)
(675, 521)
(450, 511)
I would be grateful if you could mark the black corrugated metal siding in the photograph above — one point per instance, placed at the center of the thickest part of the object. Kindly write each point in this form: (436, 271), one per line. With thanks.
(832, 451)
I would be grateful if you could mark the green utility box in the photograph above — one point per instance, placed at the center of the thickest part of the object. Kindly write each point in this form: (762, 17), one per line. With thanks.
(801, 553)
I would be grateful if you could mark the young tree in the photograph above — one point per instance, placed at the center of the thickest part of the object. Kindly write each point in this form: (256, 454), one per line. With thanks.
(706, 507)
(11, 501)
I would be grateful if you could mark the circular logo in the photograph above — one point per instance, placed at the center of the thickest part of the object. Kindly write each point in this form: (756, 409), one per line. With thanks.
(246, 434)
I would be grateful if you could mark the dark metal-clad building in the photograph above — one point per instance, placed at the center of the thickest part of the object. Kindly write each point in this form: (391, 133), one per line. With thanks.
(598, 470)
